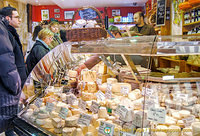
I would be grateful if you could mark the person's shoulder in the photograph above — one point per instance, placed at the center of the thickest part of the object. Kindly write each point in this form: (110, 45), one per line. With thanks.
(149, 26)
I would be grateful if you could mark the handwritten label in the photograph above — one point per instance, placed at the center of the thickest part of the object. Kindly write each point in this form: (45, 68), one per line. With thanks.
(84, 119)
(147, 91)
(124, 90)
(188, 86)
(160, 15)
(198, 88)
(109, 87)
(149, 103)
(38, 102)
(99, 81)
(106, 128)
(49, 106)
(189, 120)
(94, 107)
(82, 104)
(63, 113)
(182, 97)
(121, 133)
(157, 115)
(72, 99)
(108, 94)
(100, 95)
(121, 111)
(176, 87)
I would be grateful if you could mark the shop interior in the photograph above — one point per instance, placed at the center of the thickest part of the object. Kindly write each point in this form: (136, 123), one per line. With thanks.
(138, 85)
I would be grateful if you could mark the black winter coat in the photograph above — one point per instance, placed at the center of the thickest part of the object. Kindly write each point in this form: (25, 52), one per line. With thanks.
(38, 51)
(17, 49)
(10, 83)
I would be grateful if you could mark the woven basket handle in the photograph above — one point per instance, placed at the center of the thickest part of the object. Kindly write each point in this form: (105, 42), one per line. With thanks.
(77, 11)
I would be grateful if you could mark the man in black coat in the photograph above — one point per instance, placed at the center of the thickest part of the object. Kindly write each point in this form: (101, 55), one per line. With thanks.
(14, 19)
(12, 16)
(10, 83)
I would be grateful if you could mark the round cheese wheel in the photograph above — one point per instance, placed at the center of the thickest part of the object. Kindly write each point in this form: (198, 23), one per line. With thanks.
(196, 128)
(184, 113)
(176, 115)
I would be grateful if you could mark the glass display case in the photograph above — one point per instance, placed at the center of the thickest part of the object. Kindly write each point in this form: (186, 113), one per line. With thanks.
(148, 85)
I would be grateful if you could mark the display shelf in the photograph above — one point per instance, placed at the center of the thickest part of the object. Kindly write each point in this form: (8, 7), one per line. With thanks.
(192, 24)
(193, 34)
(115, 90)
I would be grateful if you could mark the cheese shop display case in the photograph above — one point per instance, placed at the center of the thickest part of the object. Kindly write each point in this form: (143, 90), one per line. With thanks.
(136, 86)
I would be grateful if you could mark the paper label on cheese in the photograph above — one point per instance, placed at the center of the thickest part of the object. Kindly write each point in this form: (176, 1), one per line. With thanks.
(121, 111)
(188, 86)
(124, 90)
(189, 120)
(38, 102)
(100, 95)
(82, 104)
(63, 113)
(106, 129)
(109, 87)
(72, 99)
(84, 119)
(181, 97)
(84, 84)
(108, 94)
(99, 81)
(121, 133)
(198, 88)
(149, 103)
(94, 107)
(176, 87)
(147, 91)
(49, 106)
(157, 115)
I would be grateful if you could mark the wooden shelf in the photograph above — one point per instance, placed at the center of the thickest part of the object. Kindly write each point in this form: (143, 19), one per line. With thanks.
(123, 23)
(193, 34)
(191, 24)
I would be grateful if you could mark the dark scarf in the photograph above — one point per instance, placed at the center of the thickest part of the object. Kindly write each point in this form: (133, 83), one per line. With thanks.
(15, 35)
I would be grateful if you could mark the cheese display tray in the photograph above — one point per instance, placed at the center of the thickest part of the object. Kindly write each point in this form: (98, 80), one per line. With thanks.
(58, 100)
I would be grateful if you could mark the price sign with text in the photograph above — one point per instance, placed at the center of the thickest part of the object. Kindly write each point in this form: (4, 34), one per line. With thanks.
(106, 129)
(38, 102)
(121, 111)
(63, 113)
(49, 106)
(157, 115)
(84, 119)
(82, 104)
(124, 90)
(94, 107)
(100, 95)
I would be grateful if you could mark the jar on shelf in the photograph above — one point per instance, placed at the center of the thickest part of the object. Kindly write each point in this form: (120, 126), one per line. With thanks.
(186, 21)
(193, 13)
(193, 20)
(186, 15)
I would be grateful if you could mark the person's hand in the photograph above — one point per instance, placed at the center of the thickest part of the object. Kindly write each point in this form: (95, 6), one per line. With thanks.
(80, 68)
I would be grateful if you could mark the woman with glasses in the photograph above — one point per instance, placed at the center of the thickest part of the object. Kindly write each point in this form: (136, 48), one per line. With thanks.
(40, 48)
(54, 27)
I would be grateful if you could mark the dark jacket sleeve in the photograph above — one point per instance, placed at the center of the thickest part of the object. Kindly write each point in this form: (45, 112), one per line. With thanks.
(39, 52)
(9, 75)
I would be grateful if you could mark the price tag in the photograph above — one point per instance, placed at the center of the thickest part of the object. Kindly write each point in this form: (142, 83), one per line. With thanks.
(189, 120)
(84, 119)
(38, 102)
(100, 95)
(84, 84)
(182, 97)
(94, 107)
(124, 90)
(71, 99)
(109, 87)
(99, 81)
(198, 88)
(157, 115)
(108, 94)
(121, 111)
(188, 86)
(169, 77)
(82, 104)
(49, 106)
(149, 103)
(121, 133)
(176, 87)
(63, 112)
(106, 128)
(147, 91)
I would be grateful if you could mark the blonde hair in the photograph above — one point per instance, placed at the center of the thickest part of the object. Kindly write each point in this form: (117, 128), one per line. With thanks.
(53, 23)
(45, 32)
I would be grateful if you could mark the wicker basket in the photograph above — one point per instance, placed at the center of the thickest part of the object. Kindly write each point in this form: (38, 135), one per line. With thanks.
(86, 34)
